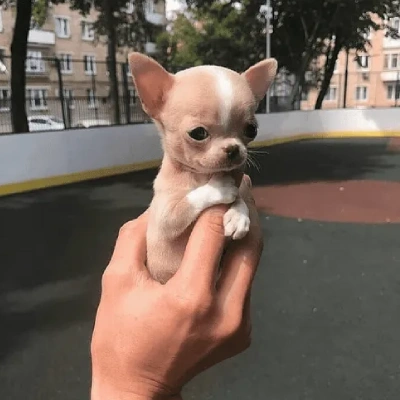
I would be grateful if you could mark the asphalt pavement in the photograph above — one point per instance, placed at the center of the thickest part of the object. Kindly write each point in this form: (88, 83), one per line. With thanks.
(326, 299)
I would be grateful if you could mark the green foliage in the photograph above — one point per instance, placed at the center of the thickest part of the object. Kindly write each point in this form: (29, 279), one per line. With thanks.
(131, 27)
(223, 37)
(39, 12)
(235, 36)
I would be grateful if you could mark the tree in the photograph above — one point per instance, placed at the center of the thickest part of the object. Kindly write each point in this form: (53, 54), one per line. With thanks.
(218, 34)
(124, 24)
(25, 10)
(19, 47)
(349, 30)
(303, 31)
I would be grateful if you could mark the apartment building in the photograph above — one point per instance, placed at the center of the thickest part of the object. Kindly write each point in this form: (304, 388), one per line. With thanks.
(69, 36)
(373, 76)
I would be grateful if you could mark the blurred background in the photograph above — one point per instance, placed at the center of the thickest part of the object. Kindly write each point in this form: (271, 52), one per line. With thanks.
(63, 64)
(327, 292)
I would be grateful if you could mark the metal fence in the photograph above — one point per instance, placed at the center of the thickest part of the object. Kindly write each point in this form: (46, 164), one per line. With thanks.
(77, 92)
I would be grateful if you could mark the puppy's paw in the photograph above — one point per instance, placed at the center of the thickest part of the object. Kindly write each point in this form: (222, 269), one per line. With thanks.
(222, 190)
(237, 221)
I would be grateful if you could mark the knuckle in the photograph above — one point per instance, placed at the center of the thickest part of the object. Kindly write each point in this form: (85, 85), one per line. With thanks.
(193, 305)
(216, 221)
(231, 326)
(127, 228)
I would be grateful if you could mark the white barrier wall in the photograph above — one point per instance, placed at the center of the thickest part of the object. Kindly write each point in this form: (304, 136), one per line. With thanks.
(34, 160)
(381, 122)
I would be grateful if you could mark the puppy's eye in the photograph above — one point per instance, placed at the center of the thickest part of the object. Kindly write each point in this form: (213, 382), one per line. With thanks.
(251, 131)
(198, 134)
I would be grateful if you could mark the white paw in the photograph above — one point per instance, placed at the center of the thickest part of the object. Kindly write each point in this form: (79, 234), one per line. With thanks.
(222, 190)
(219, 190)
(237, 221)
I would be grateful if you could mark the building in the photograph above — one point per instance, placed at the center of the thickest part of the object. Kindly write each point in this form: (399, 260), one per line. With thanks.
(373, 76)
(84, 74)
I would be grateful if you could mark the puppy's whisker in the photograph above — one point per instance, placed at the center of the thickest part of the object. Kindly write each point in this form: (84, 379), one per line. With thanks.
(253, 162)
(258, 151)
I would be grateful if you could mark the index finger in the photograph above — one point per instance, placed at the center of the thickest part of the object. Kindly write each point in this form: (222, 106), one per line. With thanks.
(204, 250)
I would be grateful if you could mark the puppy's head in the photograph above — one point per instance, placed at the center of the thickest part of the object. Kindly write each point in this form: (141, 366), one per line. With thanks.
(206, 114)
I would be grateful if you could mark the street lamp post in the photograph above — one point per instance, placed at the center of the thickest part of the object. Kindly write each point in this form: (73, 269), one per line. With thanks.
(266, 10)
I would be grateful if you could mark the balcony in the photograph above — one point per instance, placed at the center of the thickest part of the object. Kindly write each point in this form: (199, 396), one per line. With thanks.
(150, 48)
(156, 18)
(39, 37)
(389, 43)
(390, 76)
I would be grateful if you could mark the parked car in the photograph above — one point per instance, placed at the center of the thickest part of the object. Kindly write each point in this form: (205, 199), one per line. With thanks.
(88, 123)
(44, 123)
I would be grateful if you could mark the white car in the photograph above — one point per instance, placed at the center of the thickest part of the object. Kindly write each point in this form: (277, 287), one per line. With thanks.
(88, 123)
(45, 123)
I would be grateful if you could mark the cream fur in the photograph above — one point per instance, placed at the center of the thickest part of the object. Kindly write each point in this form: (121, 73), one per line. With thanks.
(196, 175)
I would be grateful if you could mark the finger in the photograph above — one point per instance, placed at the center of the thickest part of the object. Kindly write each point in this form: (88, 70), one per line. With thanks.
(247, 180)
(240, 263)
(204, 249)
(130, 249)
(238, 177)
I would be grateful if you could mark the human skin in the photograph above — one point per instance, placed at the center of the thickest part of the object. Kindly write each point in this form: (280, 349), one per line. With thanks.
(150, 339)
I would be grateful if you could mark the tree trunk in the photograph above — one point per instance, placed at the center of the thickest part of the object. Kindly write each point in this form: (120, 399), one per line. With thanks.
(329, 68)
(307, 56)
(19, 47)
(112, 62)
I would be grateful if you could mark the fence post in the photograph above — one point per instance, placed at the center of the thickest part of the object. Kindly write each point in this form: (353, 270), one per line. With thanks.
(124, 68)
(96, 111)
(61, 91)
(346, 79)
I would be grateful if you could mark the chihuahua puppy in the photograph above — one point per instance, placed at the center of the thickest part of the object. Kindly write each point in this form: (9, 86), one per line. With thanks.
(206, 118)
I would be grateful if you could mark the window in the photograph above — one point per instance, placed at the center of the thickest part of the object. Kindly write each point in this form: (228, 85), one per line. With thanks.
(150, 6)
(361, 93)
(392, 61)
(63, 29)
(386, 61)
(34, 62)
(4, 99)
(87, 31)
(132, 96)
(3, 67)
(66, 63)
(331, 94)
(393, 92)
(91, 98)
(37, 98)
(362, 62)
(395, 24)
(68, 96)
(90, 64)
(1, 19)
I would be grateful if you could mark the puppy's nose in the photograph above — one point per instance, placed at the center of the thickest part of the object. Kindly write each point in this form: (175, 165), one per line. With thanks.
(232, 151)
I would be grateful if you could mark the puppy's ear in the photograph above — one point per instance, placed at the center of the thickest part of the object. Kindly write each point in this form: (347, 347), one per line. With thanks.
(152, 82)
(260, 77)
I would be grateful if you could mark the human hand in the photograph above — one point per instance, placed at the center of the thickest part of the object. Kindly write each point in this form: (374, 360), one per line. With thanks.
(150, 339)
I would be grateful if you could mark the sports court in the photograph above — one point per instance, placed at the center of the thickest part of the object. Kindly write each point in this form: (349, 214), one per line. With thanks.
(326, 300)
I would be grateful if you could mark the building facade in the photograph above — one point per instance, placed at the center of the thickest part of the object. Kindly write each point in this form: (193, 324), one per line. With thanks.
(70, 37)
(373, 76)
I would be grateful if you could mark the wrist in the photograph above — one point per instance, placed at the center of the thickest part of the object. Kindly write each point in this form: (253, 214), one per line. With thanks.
(102, 391)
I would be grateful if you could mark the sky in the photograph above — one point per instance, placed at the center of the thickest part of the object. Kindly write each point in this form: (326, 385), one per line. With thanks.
(173, 5)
